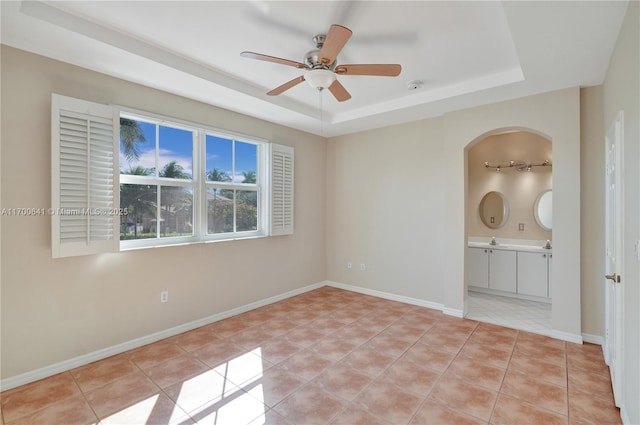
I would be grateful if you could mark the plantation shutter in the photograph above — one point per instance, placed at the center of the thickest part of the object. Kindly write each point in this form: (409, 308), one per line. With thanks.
(84, 184)
(281, 190)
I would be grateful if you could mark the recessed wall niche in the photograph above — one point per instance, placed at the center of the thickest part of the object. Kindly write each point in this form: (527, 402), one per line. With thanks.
(519, 186)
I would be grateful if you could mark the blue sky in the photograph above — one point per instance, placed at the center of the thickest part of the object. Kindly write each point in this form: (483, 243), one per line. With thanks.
(177, 144)
(219, 155)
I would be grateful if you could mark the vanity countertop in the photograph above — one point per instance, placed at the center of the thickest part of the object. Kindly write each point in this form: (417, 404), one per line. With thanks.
(513, 246)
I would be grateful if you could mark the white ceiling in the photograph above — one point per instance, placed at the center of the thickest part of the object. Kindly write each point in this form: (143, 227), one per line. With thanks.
(464, 53)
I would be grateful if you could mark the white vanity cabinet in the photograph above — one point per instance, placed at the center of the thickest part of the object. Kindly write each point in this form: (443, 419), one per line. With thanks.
(492, 269)
(533, 274)
(521, 271)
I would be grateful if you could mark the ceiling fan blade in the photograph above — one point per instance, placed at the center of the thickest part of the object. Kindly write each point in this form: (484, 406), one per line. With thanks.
(383, 70)
(339, 92)
(286, 86)
(337, 37)
(267, 58)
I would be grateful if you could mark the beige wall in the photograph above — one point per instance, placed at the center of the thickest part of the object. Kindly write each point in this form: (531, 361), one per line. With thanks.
(520, 189)
(621, 92)
(54, 310)
(396, 200)
(556, 115)
(384, 209)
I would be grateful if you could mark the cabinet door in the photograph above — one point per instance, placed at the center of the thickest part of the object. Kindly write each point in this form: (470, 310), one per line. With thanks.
(532, 274)
(502, 270)
(478, 267)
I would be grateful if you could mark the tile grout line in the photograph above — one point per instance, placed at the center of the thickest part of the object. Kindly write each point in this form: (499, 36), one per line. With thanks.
(458, 353)
(350, 402)
(417, 409)
(493, 409)
(84, 396)
(549, 383)
(385, 369)
(426, 398)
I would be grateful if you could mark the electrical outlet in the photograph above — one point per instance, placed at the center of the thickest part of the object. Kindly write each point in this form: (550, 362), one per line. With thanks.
(349, 265)
(164, 296)
(362, 267)
(521, 227)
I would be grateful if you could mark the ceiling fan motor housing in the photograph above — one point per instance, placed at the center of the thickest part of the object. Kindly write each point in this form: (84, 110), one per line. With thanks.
(312, 57)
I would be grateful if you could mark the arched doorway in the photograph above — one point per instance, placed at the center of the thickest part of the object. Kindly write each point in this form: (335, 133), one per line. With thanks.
(509, 183)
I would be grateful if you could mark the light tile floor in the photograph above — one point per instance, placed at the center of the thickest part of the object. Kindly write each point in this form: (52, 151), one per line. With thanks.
(531, 316)
(331, 356)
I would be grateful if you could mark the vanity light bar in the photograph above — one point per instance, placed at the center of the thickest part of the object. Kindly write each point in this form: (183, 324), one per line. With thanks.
(518, 165)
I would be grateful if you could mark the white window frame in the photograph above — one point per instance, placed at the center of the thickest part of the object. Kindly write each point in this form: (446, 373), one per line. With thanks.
(261, 181)
(199, 183)
(266, 186)
(160, 182)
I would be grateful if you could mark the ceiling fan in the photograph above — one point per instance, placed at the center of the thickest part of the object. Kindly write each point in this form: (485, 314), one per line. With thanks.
(321, 66)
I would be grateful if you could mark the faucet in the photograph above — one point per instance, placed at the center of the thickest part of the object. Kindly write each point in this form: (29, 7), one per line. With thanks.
(548, 245)
(493, 241)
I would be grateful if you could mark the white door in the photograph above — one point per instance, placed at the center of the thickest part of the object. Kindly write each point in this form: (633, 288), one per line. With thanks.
(613, 252)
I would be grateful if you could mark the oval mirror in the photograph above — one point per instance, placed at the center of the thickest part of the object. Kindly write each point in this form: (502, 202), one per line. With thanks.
(542, 210)
(493, 210)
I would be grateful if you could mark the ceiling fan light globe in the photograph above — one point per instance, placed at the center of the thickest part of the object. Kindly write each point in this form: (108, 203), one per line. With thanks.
(320, 78)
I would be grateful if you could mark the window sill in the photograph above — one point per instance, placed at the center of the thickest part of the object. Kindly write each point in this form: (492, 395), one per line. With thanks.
(196, 242)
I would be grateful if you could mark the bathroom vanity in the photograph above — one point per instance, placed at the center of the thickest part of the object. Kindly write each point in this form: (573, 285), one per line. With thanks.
(515, 268)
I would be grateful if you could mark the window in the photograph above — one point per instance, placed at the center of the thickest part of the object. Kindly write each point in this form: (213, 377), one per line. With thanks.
(167, 202)
(156, 181)
(174, 182)
(232, 185)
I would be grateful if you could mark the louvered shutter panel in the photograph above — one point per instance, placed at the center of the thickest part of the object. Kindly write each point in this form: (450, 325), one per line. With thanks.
(281, 190)
(85, 191)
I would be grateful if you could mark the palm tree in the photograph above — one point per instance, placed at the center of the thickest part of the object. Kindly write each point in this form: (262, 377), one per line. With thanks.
(172, 196)
(131, 135)
(174, 170)
(246, 202)
(138, 199)
(220, 209)
(249, 176)
(139, 170)
(217, 175)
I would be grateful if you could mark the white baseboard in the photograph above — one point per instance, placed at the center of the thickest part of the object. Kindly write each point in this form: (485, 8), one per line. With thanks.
(593, 339)
(566, 336)
(624, 415)
(456, 312)
(66, 365)
(393, 297)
